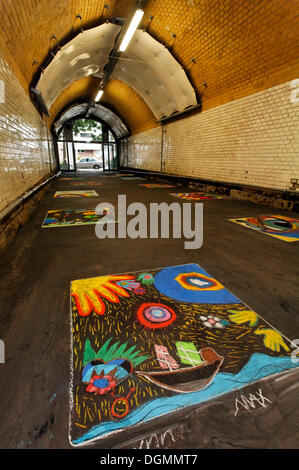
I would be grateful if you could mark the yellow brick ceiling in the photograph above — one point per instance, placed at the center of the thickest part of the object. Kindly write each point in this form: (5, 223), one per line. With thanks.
(119, 97)
(239, 47)
(129, 106)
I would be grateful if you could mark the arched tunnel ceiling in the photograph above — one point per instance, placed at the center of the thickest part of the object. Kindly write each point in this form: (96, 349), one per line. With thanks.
(97, 111)
(118, 97)
(147, 66)
(85, 55)
(128, 104)
(152, 71)
(239, 47)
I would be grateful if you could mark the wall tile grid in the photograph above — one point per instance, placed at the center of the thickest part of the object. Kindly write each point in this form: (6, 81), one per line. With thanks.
(144, 150)
(253, 140)
(240, 47)
(24, 155)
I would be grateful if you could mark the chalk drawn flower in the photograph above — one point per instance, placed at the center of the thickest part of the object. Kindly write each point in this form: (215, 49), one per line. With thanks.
(88, 293)
(109, 366)
(101, 384)
(212, 321)
(146, 278)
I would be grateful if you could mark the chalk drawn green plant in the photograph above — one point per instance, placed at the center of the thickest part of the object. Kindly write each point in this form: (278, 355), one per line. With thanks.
(108, 352)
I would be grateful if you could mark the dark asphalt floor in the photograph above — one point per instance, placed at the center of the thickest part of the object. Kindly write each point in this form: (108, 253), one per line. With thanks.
(37, 268)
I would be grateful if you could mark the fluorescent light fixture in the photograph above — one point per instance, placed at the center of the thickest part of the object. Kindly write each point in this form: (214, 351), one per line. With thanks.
(99, 95)
(131, 29)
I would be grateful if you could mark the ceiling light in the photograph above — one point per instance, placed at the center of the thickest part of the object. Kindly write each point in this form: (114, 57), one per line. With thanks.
(131, 29)
(99, 95)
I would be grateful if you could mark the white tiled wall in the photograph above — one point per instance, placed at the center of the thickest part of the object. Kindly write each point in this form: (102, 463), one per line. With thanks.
(24, 156)
(253, 140)
(144, 150)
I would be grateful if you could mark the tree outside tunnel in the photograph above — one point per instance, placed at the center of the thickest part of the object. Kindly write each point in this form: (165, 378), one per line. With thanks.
(94, 128)
(86, 144)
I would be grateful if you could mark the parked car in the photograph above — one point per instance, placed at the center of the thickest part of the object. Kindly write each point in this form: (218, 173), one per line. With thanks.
(90, 162)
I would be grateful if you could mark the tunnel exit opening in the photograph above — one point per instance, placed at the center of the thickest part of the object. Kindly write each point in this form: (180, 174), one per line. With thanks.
(86, 145)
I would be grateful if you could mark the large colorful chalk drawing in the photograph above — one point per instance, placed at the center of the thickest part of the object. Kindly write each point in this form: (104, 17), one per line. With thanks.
(71, 217)
(157, 185)
(85, 193)
(196, 196)
(278, 226)
(147, 344)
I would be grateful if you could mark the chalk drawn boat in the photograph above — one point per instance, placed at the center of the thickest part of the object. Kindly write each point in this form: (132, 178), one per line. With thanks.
(188, 379)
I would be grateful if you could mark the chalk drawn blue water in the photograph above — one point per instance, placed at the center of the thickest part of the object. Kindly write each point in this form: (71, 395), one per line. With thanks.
(259, 366)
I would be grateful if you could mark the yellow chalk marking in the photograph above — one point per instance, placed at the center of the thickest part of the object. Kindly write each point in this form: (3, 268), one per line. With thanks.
(81, 425)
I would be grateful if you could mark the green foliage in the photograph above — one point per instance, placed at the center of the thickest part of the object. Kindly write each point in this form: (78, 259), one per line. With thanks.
(88, 125)
(109, 352)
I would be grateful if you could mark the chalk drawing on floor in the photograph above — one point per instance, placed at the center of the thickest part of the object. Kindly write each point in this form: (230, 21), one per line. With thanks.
(71, 217)
(156, 185)
(278, 226)
(75, 193)
(196, 196)
(145, 344)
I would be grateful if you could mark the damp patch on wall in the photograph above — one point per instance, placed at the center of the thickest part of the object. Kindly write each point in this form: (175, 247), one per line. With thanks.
(71, 217)
(278, 226)
(196, 196)
(76, 193)
(146, 344)
(157, 185)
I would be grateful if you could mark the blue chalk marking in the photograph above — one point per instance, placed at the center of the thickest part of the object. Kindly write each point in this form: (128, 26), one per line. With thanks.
(106, 368)
(101, 383)
(259, 366)
(166, 284)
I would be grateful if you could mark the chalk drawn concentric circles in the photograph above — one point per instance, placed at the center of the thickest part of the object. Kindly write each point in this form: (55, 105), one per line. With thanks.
(155, 315)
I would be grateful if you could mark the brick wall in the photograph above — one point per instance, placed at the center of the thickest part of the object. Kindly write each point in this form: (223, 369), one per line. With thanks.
(24, 155)
(240, 47)
(253, 140)
(126, 102)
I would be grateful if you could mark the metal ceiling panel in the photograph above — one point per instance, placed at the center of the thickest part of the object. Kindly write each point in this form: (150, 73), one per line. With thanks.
(84, 55)
(152, 71)
(103, 113)
(147, 66)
